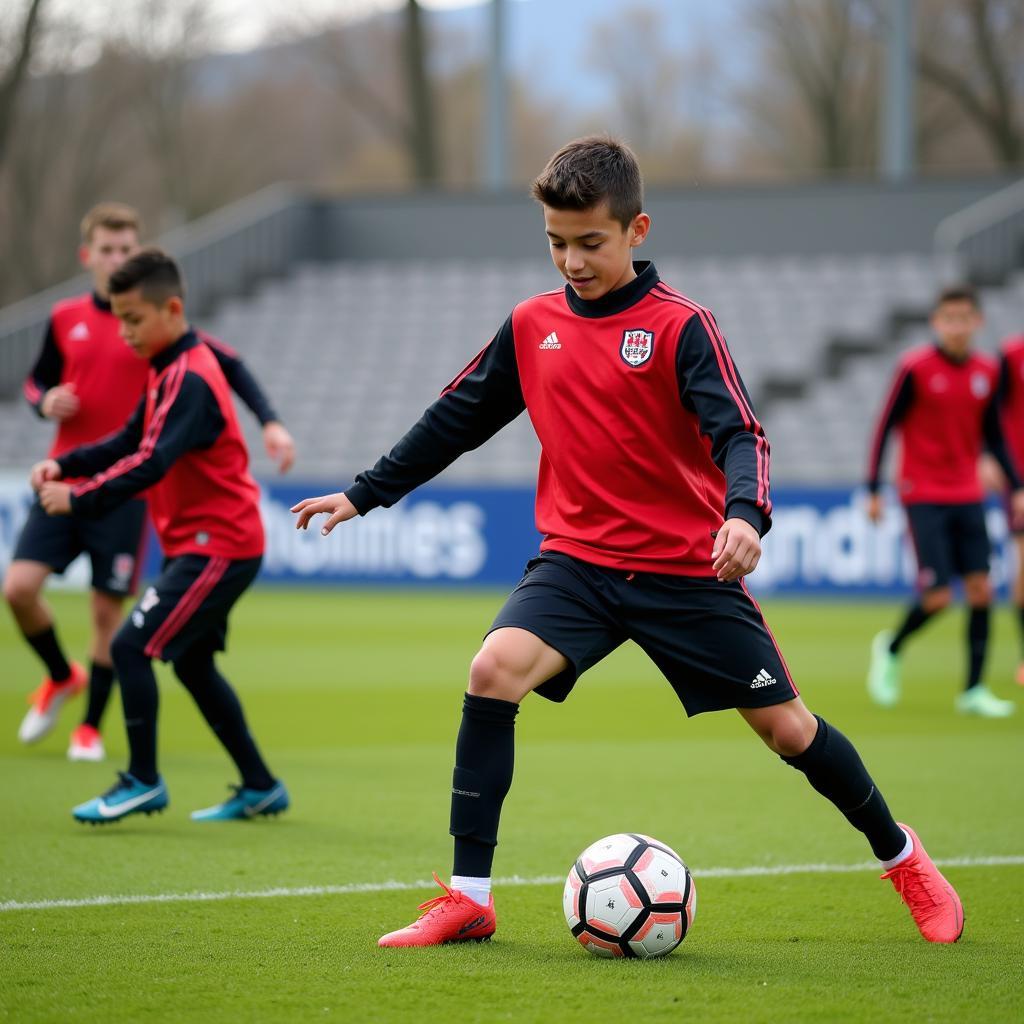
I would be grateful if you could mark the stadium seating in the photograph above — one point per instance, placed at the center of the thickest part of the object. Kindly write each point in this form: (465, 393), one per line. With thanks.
(352, 352)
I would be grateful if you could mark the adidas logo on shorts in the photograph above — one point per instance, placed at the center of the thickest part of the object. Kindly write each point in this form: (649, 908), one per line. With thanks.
(763, 679)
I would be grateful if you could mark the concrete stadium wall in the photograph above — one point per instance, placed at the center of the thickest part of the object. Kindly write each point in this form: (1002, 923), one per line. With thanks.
(800, 220)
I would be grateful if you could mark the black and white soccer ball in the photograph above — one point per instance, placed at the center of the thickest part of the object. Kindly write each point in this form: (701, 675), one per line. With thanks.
(629, 895)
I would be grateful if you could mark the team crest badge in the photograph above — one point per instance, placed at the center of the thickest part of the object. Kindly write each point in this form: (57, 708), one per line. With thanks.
(637, 347)
(980, 386)
(123, 567)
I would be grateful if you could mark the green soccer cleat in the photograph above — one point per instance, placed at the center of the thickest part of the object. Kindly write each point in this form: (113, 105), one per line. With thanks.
(884, 672)
(981, 701)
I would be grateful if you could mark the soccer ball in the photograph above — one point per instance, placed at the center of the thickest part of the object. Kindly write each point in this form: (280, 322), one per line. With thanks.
(629, 895)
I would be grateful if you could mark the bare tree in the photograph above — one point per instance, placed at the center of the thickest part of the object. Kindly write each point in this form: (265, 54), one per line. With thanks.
(973, 52)
(826, 56)
(20, 44)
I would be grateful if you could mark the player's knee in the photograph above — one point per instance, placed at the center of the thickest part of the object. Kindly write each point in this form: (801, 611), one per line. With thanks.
(126, 648)
(937, 599)
(491, 676)
(978, 592)
(19, 592)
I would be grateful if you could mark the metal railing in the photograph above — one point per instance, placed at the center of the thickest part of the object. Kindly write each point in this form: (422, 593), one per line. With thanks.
(225, 253)
(985, 239)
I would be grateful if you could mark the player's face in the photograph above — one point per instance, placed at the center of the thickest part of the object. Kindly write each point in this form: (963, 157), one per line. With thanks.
(955, 324)
(591, 249)
(147, 328)
(104, 253)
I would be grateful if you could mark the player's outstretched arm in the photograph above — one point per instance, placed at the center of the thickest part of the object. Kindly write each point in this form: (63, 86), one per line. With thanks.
(279, 444)
(337, 506)
(736, 551)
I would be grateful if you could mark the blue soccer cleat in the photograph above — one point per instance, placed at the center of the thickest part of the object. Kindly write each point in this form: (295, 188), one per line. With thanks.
(247, 803)
(127, 796)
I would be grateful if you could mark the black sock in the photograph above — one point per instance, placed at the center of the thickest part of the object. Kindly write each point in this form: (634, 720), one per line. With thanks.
(47, 646)
(141, 702)
(484, 759)
(101, 682)
(977, 644)
(915, 618)
(220, 706)
(834, 768)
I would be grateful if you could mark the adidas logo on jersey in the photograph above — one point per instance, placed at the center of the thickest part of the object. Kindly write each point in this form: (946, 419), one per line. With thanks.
(80, 332)
(551, 341)
(763, 679)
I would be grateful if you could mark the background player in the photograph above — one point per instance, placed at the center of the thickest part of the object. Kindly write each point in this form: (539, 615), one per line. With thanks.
(1011, 404)
(183, 445)
(943, 401)
(652, 496)
(88, 381)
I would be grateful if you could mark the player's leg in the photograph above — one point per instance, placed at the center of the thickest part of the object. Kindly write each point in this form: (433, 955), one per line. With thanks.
(115, 547)
(712, 643)
(832, 766)
(42, 548)
(164, 610)
(259, 793)
(933, 546)
(1018, 595)
(549, 631)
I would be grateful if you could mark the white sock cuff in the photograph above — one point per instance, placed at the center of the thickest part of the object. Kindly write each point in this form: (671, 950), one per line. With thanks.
(477, 889)
(901, 856)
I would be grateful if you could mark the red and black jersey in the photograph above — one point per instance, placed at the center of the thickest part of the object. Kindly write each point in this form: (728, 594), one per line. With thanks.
(183, 447)
(947, 413)
(83, 346)
(649, 440)
(1011, 397)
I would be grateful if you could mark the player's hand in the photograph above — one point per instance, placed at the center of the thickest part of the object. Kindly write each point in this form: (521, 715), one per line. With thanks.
(876, 506)
(48, 469)
(279, 444)
(1017, 509)
(991, 474)
(55, 497)
(337, 506)
(737, 550)
(60, 403)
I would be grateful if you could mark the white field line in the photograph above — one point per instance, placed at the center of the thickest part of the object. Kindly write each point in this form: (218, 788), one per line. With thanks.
(392, 886)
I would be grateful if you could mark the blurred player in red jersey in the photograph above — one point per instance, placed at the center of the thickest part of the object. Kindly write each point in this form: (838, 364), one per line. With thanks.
(652, 497)
(88, 381)
(1011, 404)
(944, 402)
(182, 445)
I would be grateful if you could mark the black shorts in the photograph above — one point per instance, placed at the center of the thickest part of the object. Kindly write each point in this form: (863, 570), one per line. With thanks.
(187, 605)
(709, 639)
(949, 541)
(114, 544)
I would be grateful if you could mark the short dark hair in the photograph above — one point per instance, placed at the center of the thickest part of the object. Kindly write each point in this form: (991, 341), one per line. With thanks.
(587, 171)
(959, 293)
(153, 272)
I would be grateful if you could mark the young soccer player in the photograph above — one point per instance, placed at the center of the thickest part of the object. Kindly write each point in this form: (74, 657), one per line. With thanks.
(944, 402)
(652, 498)
(184, 447)
(88, 381)
(1011, 399)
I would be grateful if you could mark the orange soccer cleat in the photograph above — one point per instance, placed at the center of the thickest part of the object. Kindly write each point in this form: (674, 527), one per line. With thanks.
(932, 901)
(453, 917)
(47, 700)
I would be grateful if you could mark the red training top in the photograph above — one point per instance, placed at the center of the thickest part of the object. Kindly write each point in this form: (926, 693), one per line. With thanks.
(184, 445)
(946, 413)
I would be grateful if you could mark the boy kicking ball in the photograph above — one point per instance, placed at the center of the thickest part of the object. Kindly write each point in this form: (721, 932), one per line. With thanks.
(183, 446)
(652, 497)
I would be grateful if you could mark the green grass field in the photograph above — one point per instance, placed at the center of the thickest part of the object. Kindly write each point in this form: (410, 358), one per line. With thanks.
(355, 698)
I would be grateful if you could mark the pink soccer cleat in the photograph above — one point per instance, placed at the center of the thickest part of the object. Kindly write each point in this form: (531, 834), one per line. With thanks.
(47, 700)
(932, 901)
(453, 917)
